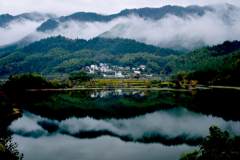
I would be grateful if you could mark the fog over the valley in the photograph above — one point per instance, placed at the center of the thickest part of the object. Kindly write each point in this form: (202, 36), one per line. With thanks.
(17, 30)
(169, 32)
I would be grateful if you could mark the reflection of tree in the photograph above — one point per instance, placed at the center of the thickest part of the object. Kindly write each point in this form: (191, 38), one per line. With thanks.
(8, 148)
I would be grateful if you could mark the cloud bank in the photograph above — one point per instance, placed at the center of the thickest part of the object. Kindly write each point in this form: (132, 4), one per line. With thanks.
(169, 32)
(167, 124)
(189, 32)
(108, 148)
(17, 30)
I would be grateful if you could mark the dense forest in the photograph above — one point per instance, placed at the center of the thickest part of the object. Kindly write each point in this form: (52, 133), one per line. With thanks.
(210, 65)
(61, 55)
(57, 55)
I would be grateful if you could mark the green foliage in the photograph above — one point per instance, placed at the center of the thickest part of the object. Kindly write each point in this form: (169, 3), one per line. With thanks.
(113, 46)
(219, 65)
(218, 145)
(61, 55)
(65, 104)
(26, 81)
(226, 72)
(225, 48)
(190, 156)
(80, 77)
(8, 149)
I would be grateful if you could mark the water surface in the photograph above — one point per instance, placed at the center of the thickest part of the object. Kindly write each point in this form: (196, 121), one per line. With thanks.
(119, 124)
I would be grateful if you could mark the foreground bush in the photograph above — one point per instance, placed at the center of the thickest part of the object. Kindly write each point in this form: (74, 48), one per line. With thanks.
(26, 81)
(218, 145)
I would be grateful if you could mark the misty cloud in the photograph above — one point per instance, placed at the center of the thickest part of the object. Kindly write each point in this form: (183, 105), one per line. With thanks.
(16, 31)
(81, 30)
(107, 148)
(169, 32)
(170, 124)
(176, 32)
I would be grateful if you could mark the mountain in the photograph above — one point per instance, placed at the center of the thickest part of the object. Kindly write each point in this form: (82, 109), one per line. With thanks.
(158, 13)
(114, 46)
(61, 55)
(155, 26)
(218, 64)
(5, 19)
(148, 13)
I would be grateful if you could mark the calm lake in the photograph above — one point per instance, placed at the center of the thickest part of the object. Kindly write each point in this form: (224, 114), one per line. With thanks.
(120, 124)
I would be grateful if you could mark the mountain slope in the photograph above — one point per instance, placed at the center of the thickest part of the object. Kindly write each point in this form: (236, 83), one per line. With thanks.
(61, 55)
(149, 13)
(114, 46)
(5, 19)
(218, 64)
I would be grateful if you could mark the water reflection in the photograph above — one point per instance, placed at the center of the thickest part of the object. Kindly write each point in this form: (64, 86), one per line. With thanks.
(63, 147)
(120, 124)
(173, 126)
(117, 92)
(128, 103)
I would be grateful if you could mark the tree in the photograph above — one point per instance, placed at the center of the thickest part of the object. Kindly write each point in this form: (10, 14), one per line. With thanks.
(79, 77)
(218, 145)
(21, 82)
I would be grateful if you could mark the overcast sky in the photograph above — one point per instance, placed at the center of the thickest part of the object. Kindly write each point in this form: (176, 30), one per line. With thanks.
(64, 7)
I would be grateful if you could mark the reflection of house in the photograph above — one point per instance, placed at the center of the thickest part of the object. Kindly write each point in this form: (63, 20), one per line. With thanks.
(148, 75)
(118, 92)
(108, 75)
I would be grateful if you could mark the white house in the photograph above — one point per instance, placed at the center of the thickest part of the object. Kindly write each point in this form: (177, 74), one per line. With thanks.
(119, 75)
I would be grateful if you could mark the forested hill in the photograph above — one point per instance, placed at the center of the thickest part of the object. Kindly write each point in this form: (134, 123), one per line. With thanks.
(148, 13)
(62, 55)
(218, 64)
(113, 46)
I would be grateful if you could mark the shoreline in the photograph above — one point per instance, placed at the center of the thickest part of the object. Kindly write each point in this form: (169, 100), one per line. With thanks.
(103, 88)
(200, 87)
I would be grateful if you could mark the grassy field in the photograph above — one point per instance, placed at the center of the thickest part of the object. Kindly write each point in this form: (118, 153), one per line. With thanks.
(127, 83)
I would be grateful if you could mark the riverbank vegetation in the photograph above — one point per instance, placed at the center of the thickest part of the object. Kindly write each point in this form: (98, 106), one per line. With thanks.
(82, 79)
(21, 82)
(8, 113)
(219, 145)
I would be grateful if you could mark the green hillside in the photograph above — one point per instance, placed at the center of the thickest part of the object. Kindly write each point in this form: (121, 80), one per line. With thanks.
(61, 55)
(209, 65)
